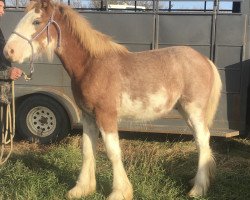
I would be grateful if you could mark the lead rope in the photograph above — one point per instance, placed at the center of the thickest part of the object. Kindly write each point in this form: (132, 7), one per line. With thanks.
(8, 129)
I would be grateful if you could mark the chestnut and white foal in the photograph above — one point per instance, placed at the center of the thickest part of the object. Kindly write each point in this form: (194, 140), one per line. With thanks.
(109, 82)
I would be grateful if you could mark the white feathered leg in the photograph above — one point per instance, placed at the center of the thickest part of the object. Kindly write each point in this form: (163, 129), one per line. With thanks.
(206, 165)
(86, 183)
(122, 188)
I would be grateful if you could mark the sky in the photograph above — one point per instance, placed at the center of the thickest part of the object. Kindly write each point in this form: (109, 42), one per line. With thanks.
(200, 4)
(176, 4)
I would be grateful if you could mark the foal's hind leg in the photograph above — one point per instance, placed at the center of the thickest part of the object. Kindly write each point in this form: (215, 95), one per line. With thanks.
(186, 117)
(86, 183)
(206, 165)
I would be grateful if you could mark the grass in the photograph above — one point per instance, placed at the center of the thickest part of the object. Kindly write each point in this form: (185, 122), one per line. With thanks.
(158, 166)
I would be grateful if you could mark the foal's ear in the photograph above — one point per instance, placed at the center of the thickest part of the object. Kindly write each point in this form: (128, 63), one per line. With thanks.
(61, 9)
(45, 3)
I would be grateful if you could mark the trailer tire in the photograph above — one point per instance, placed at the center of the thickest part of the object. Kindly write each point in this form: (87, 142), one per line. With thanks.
(41, 119)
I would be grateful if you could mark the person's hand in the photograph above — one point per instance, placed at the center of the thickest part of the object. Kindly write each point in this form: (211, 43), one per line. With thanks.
(1, 8)
(15, 73)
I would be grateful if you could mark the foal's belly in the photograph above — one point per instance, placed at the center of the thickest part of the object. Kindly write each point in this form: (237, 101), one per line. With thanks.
(148, 107)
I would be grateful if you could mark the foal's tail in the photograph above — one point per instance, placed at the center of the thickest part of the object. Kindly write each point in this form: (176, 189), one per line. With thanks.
(214, 96)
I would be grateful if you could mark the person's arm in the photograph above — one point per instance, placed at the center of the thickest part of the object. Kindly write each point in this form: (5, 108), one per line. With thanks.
(4, 63)
(11, 73)
(5, 74)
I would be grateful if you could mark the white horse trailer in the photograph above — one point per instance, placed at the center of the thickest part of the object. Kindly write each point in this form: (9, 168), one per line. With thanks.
(218, 29)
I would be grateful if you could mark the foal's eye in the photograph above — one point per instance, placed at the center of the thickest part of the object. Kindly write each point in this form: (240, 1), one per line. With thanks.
(36, 22)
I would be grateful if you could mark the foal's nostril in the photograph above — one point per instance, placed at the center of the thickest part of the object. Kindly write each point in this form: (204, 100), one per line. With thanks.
(8, 52)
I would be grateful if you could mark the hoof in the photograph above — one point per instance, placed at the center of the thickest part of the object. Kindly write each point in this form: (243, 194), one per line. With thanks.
(197, 191)
(79, 191)
(119, 195)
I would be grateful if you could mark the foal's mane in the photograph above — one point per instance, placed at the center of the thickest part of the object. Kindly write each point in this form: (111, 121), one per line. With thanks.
(95, 42)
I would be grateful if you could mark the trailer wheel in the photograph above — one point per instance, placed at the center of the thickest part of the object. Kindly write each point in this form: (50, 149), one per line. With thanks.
(41, 119)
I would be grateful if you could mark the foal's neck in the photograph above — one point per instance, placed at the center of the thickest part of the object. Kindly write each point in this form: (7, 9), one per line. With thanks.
(73, 56)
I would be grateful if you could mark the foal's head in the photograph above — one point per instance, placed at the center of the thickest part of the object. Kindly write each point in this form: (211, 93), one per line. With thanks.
(34, 34)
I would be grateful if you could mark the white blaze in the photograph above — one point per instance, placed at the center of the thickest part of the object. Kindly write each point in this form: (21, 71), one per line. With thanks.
(25, 26)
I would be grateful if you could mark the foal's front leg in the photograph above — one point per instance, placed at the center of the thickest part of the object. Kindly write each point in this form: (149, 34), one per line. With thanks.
(86, 183)
(122, 188)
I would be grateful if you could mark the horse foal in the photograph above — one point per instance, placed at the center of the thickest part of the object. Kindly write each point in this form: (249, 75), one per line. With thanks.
(109, 82)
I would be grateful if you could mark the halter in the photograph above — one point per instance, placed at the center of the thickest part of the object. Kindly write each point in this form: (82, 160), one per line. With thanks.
(46, 27)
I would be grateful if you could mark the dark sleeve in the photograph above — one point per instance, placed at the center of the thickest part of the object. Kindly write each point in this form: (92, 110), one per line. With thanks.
(4, 63)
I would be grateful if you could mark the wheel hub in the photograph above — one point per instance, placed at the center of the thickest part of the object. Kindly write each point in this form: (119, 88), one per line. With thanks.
(41, 121)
